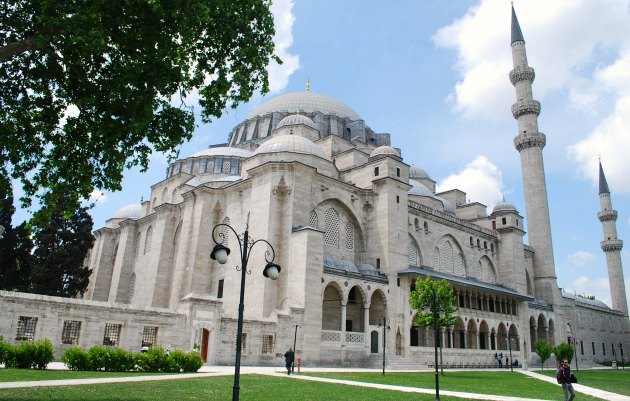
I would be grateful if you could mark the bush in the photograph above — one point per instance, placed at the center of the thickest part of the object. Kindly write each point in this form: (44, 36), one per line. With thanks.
(76, 358)
(5, 350)
(120, 360)
(154, 360)
(186, 362)
(30, 354)
(98, 358)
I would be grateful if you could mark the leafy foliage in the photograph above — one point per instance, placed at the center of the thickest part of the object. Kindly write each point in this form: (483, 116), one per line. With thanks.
(424, 294)
(16, 259)
(544, 350)
(28, 354)
(90, 88)
(563, 351)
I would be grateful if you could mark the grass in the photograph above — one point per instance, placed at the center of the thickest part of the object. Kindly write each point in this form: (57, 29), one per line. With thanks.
(616, 381)
(498, 383)
(253, 388)
(20, 375)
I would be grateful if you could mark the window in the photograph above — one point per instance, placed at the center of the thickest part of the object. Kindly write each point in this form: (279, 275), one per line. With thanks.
(378, 264)
(478, 243)
(137, 250)
(471, 242)
(492, 246)
(413, 254)
(397, 199)
(267, 344)
(414, 336)
(426, 227)
(331, 228)
(149, 336)
(112, 334)
(349, 236)
(26, 328)
(504, 221)
(243, 342)
(226, 167)
(148, 240)
(494, 224)
(582, 347)
(603, 349)
(313, 220)
(593, 345)
(376, 170)
(397, 171)
(70, 332)
(220, 289)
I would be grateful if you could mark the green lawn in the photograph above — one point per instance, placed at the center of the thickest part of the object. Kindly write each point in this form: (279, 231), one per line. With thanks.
(19, 375)
(499, 383)
(253, 388)
(616, 381)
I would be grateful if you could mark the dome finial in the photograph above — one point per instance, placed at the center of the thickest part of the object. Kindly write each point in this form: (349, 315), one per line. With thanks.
(308, 85)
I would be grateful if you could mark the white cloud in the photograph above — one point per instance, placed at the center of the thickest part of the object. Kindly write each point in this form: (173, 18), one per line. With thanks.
(480, 179)
(563, 36)
(599, 287)
(283, 19)
(581, 259)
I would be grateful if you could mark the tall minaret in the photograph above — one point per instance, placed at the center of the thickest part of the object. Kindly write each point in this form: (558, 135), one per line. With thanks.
(530, 143)
(611, 246)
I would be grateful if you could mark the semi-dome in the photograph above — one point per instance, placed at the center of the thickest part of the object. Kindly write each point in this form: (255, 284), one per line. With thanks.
(417, 172)
(224, 151)
(504, 206)
(290, 143)
(305, 102)
(296, 119)
(419, 189)
(384, 151)
(132, 211)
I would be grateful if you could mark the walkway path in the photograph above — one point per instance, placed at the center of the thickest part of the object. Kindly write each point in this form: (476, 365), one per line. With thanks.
(207, 371)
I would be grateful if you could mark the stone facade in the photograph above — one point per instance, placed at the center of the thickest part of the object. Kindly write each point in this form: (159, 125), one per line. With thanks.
(352, 226)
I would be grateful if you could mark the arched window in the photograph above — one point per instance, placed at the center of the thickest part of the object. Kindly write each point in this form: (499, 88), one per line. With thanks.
(313, 220)
(226, 167)
(137, 250)
(426, 227)
(331, 228)
(148, 240)
(225, 231)
(447, 259)
(459, 265)
(413, 254)
(436, 259)
(349, 236)
(164, 195)
(416, 224)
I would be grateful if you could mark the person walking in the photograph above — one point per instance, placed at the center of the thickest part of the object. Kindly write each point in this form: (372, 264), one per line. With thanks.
(563, 375)
(288, 360)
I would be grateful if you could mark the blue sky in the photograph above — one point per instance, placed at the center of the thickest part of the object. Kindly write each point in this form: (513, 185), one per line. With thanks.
(434, 74)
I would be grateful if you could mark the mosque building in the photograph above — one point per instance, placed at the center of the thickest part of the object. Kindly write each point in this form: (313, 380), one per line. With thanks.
(352, 226)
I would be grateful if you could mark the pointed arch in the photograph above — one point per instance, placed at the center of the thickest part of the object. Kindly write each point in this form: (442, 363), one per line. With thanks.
(313, 220)
(378, 307)
(447, 258)
(331, 228)
(148, 240)
(415, 257)
(471, 334)
(487, 270)
(331, 307)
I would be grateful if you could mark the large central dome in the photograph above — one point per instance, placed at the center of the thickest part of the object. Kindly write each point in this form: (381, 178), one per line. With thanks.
(306, 102)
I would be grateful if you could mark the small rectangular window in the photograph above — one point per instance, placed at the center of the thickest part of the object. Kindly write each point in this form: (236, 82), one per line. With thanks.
(220, 289)
(582, 347)
(112, 334)
(398, 172)
(504, 220)
(397, 199)
(593, 345)
(376, 171)
(70, 332)
(603, 349)
(378, 264)
(26, 328)
(149, 336)
(267, 344)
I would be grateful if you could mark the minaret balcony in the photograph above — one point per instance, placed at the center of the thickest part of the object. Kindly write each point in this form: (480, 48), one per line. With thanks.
(530, 140)
(611, 245)
(524, 107)
(607, 215)
(520, 74)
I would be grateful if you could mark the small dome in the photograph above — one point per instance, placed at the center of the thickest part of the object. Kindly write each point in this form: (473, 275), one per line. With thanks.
(417, 172)
(504, 206)
(290, 143)
(384, 151)
(448, 208)
(296, 119)
(419, 189)
(132, 211)
(224, 151)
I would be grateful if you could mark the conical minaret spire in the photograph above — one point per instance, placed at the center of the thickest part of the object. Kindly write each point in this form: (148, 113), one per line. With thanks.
(611, 246)
(530, 142)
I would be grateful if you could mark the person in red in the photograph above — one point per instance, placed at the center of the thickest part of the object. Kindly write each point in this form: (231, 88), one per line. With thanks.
(563, 375)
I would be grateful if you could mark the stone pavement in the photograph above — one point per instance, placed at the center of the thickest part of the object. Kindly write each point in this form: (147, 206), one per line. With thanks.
(207, 371)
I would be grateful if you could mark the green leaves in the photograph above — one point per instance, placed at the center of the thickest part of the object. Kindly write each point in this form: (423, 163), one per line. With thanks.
(438, 293)
(119, 63)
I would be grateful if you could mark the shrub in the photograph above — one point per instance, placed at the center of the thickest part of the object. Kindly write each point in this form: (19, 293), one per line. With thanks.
(29, 354)
(120, 360)
(563, 351)
(154, 360)
(192, 362)
(5, 350)
(97, 358)
(76, 358)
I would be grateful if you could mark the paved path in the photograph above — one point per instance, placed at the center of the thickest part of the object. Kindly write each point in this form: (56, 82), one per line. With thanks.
(207, 371)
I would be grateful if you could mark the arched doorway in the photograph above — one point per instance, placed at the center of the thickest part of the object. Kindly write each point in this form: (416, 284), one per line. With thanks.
(374, 342)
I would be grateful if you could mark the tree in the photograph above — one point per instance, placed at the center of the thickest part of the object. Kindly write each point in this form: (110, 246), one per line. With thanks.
(89, 87)
(543, 349)
(425, 293)
(16, 260)
(563, 351)
(61, 249)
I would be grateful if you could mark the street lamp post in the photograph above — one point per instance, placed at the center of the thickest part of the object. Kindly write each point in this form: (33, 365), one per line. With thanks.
(509, 341)
(436, 313)
(220, 254)
(385, 324)
(294, 351)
